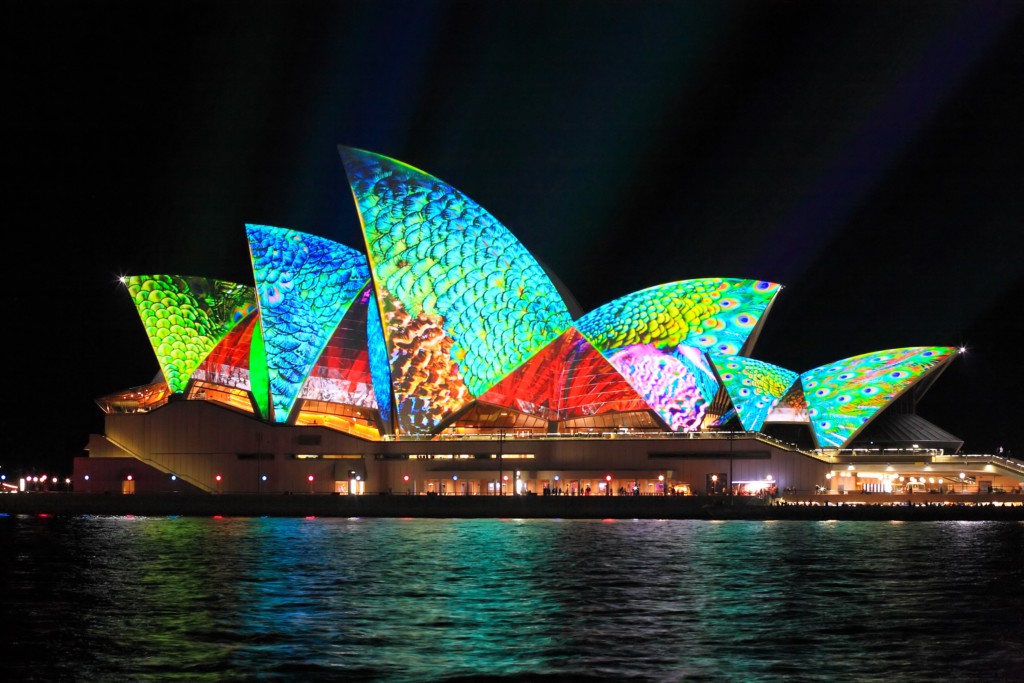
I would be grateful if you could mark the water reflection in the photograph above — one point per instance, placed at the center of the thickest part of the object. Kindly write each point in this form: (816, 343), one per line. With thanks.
(155, 599)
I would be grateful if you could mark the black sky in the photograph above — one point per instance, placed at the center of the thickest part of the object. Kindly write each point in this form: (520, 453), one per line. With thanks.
(866, 155)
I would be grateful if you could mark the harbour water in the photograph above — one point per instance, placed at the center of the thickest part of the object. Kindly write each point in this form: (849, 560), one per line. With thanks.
(117, 598)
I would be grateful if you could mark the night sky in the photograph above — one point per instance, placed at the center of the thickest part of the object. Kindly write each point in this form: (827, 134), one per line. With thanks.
(865, 155)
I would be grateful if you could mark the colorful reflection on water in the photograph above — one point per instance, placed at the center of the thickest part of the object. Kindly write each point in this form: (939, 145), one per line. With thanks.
(157, 599)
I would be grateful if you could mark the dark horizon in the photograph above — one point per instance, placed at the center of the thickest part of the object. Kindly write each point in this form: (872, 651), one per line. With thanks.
(867, 159)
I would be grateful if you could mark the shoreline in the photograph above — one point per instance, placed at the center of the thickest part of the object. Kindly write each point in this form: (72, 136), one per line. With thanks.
(490, 507)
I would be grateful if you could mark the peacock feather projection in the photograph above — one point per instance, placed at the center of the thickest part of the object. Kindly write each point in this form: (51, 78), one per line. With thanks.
(658, 339)
(754, 387)
(843, 396)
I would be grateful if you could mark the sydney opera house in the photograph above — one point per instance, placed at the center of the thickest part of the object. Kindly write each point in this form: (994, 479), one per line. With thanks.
(443, 358)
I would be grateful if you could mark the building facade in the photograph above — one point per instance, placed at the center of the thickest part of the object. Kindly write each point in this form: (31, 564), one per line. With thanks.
(444, 359)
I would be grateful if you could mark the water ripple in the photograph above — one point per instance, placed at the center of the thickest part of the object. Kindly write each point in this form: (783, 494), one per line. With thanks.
(188, 599)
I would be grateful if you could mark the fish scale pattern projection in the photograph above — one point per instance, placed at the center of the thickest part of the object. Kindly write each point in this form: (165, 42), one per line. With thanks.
(842, 397)
(305, 285)
(443, 257)
(460, 319)
(649, 337)
(754, 387)
(186, 317)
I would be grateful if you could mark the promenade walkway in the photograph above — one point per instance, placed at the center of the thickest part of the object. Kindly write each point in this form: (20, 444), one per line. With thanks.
(994, 506)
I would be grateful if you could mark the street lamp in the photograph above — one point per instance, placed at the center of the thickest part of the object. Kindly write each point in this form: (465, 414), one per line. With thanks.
(732, 486)
(661, 483)
(963, 483)
(501, 469)
(608, 485)
(259, 460)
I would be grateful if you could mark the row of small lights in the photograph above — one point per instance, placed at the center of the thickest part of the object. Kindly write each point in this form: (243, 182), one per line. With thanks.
(40, 479)
(608, 478)
(174, 477)
(889, 476)
(455, 477)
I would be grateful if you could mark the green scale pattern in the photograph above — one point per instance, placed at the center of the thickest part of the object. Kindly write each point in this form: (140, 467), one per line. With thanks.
(442, 255)
(186, 317)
